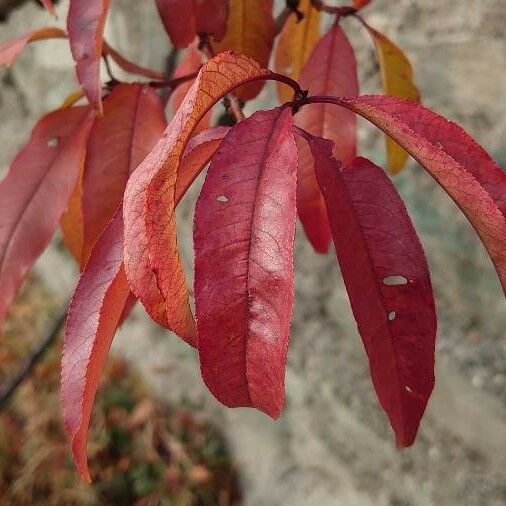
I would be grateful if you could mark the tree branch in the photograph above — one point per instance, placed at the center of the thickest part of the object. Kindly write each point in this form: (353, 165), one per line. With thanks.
(10, 386)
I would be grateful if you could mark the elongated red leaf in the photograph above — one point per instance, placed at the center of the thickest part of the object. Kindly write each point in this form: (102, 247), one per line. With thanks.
(36, 191)
(152, 260)
(388, 283)
(331, 70)
(462, 167)
(94, 314)
(133, 122)
(244, 233)
(85, 24)
(178, 18)
(197, 155)
(11, 49)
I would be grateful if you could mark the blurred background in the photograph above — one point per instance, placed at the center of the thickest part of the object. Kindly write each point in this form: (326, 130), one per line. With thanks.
(158, 437)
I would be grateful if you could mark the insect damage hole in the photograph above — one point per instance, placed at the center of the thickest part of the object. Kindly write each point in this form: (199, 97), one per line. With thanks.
(52, 143)
(395, 280)
(408, 389)
(222, 198)
(391, 316)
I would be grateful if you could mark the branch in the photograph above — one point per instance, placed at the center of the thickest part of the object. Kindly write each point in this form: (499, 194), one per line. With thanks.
(10, 386)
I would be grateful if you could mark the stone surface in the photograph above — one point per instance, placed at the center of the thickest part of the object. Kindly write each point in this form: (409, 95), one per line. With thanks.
(332, 445)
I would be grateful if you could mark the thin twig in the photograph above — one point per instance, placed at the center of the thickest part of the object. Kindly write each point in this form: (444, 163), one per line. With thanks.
(8, 388)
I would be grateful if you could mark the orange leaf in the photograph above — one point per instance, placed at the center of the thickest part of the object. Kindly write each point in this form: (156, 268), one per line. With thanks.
(250, 31)
(296, 42)
(133, 122)
(11, 49)
(85, 24)
(397, 77)
(152, 260)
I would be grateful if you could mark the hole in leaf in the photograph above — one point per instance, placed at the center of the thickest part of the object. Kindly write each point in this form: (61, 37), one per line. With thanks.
(395, 280)
(224, 177)
(391, 316)
(222, 198)
(52, 143)
(408, 389)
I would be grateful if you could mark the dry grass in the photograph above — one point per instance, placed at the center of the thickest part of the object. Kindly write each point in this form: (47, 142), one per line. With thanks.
(140, 453)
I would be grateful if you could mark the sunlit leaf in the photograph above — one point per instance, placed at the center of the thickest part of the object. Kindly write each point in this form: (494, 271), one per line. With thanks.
(152, 260)
(244, 233)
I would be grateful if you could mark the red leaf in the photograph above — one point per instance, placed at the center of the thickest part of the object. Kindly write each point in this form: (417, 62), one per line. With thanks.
(388, 283)
(191, 62)
(211, 17)
(94, 314)
(244, 233)
(48, 5)
(360, 4)
(462, 167)
(11, 49)
(197, 155)
(331, 70)
(152, 261)
(36, 192)
(178, 18)
(85, 24)
(133, 122)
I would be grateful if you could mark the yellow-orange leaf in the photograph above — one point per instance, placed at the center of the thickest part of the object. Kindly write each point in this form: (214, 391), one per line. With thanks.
(397, 77)
(296, 42)
(250, 31)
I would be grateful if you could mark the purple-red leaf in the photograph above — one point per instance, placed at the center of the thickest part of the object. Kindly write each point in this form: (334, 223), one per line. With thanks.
(95, 311)
(152, 260)
(133, 122)
(244, 232)
(462, 167)
(331, 70)
(36, 192)
(178, 18)
(388, 283)
(85, 24)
